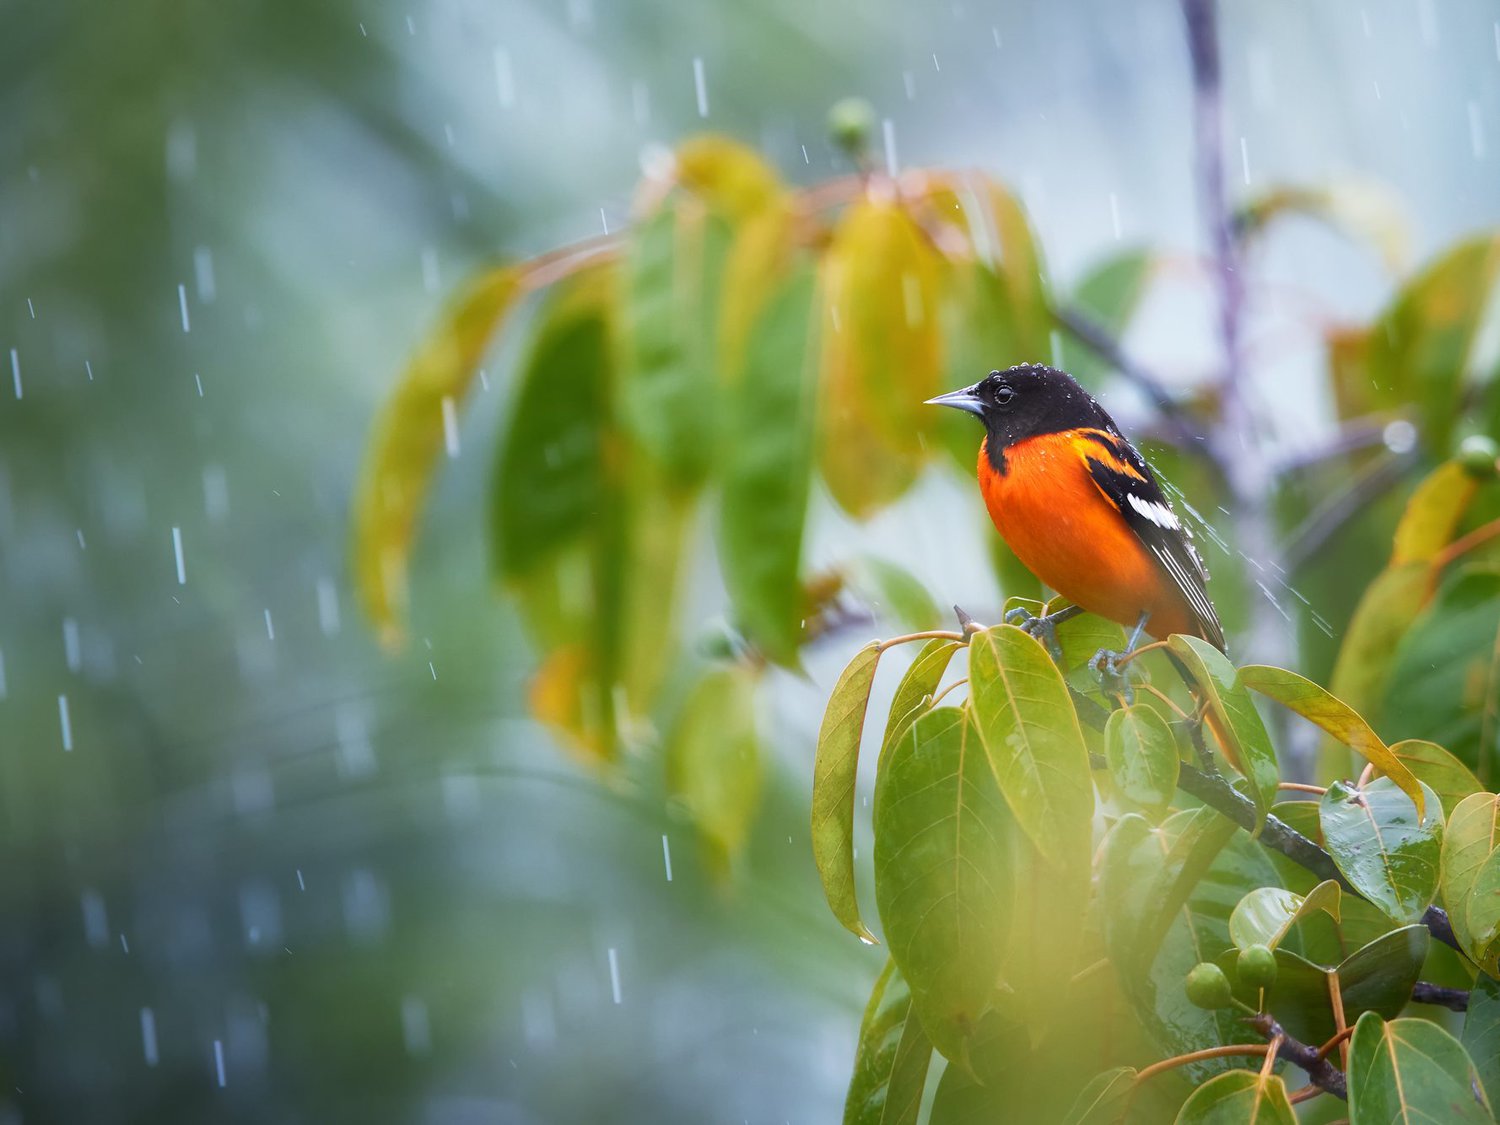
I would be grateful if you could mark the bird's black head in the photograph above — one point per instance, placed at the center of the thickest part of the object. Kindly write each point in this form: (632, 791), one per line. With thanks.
(1026, 401)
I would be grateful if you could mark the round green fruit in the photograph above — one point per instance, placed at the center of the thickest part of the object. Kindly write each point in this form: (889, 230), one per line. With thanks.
(1257, 967)
(1208, 987)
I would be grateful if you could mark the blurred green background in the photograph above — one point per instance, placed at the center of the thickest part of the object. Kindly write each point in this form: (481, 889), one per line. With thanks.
(257, 870)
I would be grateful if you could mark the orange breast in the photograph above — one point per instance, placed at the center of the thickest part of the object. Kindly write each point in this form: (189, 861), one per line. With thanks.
(1050, 512)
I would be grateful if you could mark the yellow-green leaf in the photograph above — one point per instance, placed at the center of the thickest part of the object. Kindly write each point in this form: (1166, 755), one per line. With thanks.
(1234, 717)
(834, 774)
(1142, 756)
(1439, 770)
(891, 1058)
(408, 436)
(768, 453)
(1031, 736)
(942, 873)
(713, 759)
(669, 397)
(1420, 348)
(1238, 1097)
(1362, 209)
(1266, 915)
(882, 354)
(1482, 915)
(1472, 835)
(1409, 1071)
(1433, 512)
(1336, 717)
(917, 686)
(728, 176)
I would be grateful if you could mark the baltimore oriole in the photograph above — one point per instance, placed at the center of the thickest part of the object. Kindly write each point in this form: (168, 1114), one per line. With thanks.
(1080, 507)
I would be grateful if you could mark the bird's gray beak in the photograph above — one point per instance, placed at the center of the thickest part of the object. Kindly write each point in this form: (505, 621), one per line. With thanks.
(965, 399)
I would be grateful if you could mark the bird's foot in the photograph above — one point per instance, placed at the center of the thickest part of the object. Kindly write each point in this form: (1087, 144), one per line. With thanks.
(1043, 627)
(1113, 680)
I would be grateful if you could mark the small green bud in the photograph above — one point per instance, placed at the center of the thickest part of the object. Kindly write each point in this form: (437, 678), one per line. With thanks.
(1478, 454)
(1208, 987)
(850, 123)
(1257, 967)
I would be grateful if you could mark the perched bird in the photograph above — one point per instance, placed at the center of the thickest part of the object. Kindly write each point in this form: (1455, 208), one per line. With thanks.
(1080, 507)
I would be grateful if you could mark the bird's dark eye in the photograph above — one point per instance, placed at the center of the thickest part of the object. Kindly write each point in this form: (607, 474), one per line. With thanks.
(1003, 395)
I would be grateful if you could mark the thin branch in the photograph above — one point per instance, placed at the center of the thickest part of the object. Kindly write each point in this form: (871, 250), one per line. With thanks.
(1329, 519)
(1233, 1050)
(1454, 999)
(1294, 1051)
(1354, 436)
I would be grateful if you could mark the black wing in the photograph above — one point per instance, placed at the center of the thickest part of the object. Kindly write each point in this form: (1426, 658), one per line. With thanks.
(1124, 477)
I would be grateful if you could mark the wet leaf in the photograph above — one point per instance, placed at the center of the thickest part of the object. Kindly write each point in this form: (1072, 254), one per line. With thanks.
(1142, 755)
(1234, 711)
(1376, 977)
(670, 401)
(833, 787)
(1238, 1097)
(1336, 717)
(1481, 1035)
(713, 760)
(882, 354)
(1472, 835)
(768, 453)
(1439, 770)
(891, 1060)
(1409, 1070)
(942, 874)
(1382, 847)
(1445, 680)
(917, 686)
(407, 438)
(1420, 346)
(1384, 614)
(1266, 915)
(1031, 737)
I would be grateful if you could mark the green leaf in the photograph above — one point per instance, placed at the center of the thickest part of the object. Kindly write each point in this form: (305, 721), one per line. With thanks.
(1420, 347)
(1481, 1035)
(1410, 1070)
(833, 787)
(1388, 854)
(1108, 294)
(767, 466)
(1142, 756)
(917, 686)
(1166, 895)
(1267, 914)
(713, 759)
(1473, 833)
(1335, 717)
(890, 1063)
(1445, 682)
(1482, 916)
(882, 355)
(1106, 1098)
(550, 472)
(1083, 636)
(407, 438)
(1238, 1097)
(670, 391)
(894, 594)
(1439, 770)
(1031, 736)
(942, 873)
(1376, 977)
(1233, 715)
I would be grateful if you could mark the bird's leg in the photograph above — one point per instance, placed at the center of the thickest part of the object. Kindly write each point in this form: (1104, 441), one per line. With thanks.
(1043, 628)
(1106, 664)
